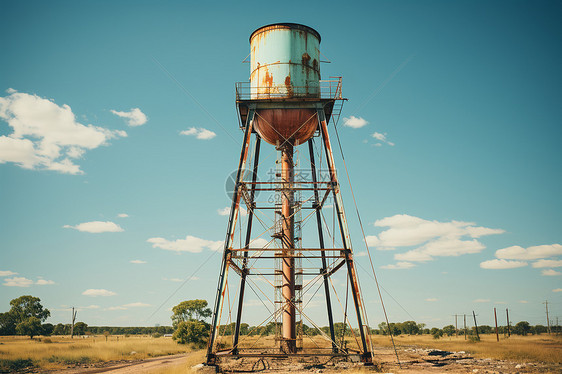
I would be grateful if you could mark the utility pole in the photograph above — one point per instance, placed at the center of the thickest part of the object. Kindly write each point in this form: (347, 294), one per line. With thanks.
(475, 325)
(508, 329)
(547, 320)
(456, 328)
(496, 319)
(72, 326)
(464, 326)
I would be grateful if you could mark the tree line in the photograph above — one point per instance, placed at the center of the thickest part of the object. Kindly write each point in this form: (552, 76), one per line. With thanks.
(26, 317)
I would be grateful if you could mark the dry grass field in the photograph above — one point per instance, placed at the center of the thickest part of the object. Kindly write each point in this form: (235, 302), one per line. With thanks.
(60, 351)
(535, 348)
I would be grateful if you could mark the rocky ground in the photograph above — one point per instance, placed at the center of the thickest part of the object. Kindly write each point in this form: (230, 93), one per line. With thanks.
(412, 360)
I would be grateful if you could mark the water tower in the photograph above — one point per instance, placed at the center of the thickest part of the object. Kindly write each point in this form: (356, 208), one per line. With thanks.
(286, 104)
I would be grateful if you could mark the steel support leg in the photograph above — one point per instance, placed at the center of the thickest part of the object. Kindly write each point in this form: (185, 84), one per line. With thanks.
(366, 357)
(211, 358)
(323, 270)
(246, 246)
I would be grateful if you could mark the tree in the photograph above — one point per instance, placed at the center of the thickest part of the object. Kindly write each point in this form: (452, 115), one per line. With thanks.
(47, 329)
(192, 332)
(190, 310)
(7, 324)
(522, 328)
(437, 333)
(28, 306)
(60, 329)
(449, 330)
(80, 328)
(30, 326)
(106, 334)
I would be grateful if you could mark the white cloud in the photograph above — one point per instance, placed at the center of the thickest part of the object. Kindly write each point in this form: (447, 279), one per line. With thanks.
(137, 305)
(399, 265)
(137, 262)
(180, 279)
(557, 290)
(17, 282)
(502, 264)
(199, 133)
(354, 122)
(482, 300)
(550, 272)
(433, 238)
(122, 215)
(361, 254)
(46, 136)
(226, 211)
(531, 253)
(135, 117)
(373, 241)
(44, 282)
(116, 308)
(547, 264)
(7, 273)
(432, 299)
(98, 292)
(89, 307)
(523, 302)
(189, 244)
(382, 138)
(96, 227)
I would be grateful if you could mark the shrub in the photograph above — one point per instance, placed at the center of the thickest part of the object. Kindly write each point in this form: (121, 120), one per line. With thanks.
(192, 332)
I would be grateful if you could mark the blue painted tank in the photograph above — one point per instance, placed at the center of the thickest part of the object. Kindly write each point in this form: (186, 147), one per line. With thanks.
(285, 61)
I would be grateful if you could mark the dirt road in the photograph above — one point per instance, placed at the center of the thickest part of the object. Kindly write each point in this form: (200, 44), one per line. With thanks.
(413, 360)
(130, 367)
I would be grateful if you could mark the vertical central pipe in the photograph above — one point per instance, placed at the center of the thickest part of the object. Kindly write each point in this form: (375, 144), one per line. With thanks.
(288, 267)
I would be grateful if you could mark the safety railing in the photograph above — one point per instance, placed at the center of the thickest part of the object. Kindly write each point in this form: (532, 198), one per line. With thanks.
(326, 89)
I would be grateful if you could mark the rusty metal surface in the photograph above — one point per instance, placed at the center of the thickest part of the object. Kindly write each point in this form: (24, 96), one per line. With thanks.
(277, 126)
(285, 61)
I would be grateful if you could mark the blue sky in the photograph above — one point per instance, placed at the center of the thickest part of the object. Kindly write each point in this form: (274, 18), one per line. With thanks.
(452, 141)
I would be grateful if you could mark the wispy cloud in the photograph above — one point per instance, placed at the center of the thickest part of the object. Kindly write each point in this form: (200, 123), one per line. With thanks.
(502, 264)
(7, 273)
(134, 117)
(432, 238)
(44, 282)
(482, 300)
(96, 227)
(550, 272)
(199, 133)
(557, 290)
(399, 265)
(137, 262)
(18, 282)
(226, 211)
(98, 292)
(431, 299)
(547, 264)
(189, 244)
(122, 215)
(46, 136)
(354, 122)
(137, 305)
(531, 253)
(381, 138)
(523, 302)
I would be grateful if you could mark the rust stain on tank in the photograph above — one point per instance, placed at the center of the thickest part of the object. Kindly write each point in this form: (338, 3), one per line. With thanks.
(305, 58)
(315, 64)
(268, 79)
(288, 85)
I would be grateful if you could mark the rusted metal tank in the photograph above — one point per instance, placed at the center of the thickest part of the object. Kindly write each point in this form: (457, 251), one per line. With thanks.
(285, 67)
